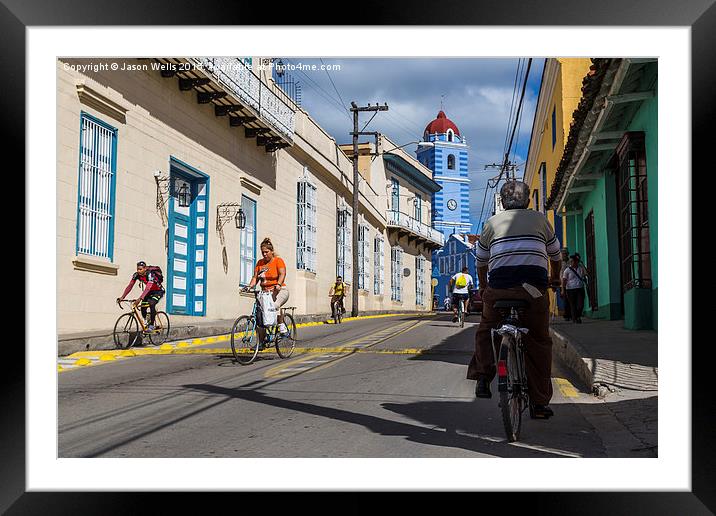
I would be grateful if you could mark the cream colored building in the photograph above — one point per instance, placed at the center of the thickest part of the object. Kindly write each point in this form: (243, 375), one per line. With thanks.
(134, 143)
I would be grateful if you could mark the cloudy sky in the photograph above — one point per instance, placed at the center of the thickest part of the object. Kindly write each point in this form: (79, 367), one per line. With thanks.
(476, 93)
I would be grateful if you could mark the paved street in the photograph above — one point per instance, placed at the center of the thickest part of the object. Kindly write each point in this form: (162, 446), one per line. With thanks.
(401, 392)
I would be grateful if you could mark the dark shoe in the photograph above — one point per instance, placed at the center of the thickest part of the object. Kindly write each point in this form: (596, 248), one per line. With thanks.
(454, 318)
(482, 389)
(579, 320)
(541, 412)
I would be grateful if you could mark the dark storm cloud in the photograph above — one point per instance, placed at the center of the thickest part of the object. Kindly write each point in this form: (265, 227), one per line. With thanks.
(476, 94)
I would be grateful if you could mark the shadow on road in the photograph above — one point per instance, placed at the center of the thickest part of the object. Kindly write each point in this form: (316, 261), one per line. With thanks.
(451, 424)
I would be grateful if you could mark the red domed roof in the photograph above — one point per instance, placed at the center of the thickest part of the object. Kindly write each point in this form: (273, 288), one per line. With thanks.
(441, 124)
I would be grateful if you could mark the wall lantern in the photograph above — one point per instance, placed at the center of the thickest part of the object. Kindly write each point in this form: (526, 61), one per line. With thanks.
(240, 219)
(227, 211)
(184, 196)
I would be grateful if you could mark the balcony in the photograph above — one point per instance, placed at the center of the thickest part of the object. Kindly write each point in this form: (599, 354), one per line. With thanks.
(266, 113)
(416, 231)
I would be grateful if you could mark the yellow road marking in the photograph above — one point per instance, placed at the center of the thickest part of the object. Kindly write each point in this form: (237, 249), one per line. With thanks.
(566, 388)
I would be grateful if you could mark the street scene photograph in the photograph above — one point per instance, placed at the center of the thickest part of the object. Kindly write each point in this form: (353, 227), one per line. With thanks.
(375, 257)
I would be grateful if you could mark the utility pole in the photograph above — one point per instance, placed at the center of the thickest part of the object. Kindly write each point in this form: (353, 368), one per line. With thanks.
(356, 193)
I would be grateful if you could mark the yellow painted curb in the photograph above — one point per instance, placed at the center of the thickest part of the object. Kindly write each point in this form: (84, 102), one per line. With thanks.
(127, 353)
(59, 367)
(83, 362)
(566, 388)
(166, 347)
(107, 357)
(183, 345)
(196, 341)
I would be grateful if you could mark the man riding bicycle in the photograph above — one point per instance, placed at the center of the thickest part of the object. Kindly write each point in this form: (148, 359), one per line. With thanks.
(338, 293)
(460, 284)
(151, 278)
(516, 251)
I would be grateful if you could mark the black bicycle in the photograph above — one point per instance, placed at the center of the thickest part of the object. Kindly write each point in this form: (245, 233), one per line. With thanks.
(511, 371)
(337, 309)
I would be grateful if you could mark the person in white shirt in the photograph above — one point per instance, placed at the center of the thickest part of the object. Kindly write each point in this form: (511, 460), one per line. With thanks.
(573, 282)
(460, 283)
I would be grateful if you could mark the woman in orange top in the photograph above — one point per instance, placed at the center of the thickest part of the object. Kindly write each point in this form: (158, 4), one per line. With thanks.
(270, 272)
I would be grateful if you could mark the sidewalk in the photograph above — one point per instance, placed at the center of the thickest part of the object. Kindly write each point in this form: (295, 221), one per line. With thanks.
(620, 367)
(68, 343)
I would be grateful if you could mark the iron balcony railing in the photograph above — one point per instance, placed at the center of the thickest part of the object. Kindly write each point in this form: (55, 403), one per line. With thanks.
(405, 221)
(238, 78)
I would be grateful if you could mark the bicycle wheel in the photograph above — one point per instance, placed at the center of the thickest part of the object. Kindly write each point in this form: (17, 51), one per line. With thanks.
(285, 345)
(244, 341)
(126, 331)
(161, 329)
(510, 389)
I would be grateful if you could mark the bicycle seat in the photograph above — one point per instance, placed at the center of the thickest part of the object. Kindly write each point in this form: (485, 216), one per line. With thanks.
(511, 303)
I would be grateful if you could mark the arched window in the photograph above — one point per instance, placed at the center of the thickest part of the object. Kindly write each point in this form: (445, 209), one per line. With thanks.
(449, 135)
(451, 162)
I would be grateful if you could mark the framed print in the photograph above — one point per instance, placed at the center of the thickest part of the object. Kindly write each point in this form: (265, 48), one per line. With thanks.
(142, 121)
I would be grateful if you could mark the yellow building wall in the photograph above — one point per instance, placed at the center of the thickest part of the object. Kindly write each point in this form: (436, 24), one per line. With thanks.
(563, 100)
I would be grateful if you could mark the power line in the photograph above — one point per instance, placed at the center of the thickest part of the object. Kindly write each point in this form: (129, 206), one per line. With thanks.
(334, 84)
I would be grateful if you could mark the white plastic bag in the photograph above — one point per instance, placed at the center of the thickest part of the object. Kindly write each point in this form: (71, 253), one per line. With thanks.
(268, 309)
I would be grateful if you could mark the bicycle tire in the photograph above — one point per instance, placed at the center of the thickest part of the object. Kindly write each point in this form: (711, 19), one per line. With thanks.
(244, 340)
(126, 331)
(286, 345)
(161, 332)
(510, 398)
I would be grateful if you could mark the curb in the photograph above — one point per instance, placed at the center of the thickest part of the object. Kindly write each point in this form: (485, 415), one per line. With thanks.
(572, 354)
(102, 340)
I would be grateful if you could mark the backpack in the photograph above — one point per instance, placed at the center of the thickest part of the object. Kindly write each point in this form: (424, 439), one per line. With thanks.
(461, 281)
(157, 274)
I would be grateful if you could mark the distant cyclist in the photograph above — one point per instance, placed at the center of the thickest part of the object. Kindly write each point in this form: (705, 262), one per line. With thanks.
(338, 293)
(461, 284)
(151, 279)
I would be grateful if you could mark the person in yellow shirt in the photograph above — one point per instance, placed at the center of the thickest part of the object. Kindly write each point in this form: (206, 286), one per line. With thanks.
(338, 292)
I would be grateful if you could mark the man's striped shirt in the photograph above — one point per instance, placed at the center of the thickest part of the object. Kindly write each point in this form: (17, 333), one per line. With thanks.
(517, 245)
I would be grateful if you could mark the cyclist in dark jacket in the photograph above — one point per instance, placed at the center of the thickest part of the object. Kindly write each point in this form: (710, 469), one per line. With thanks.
(153, 290)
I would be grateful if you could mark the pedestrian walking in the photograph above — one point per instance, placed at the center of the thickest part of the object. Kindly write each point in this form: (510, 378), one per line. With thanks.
(561, 294)
(574, 281)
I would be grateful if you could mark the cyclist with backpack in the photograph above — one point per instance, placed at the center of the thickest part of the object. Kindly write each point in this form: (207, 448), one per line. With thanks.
(151, 278)
(460, 283)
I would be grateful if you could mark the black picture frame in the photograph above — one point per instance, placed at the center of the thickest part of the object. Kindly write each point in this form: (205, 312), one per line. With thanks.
(699, 15)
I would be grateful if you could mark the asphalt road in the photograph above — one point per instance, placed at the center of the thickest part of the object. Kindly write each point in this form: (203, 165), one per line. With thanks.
(402, 393)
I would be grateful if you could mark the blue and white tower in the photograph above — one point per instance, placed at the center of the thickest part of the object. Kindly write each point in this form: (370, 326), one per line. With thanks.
(447, 158)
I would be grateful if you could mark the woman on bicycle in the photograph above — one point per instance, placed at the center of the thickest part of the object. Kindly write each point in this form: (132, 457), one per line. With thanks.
(270, 273)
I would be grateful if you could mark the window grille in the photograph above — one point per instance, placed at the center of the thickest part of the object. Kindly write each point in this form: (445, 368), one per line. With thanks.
(306, 228)
(344, 266)
(363, 256)
(95, 207)
(396, 273)
(633, 205)
(419, 280)
(248, 241)
(378, 261)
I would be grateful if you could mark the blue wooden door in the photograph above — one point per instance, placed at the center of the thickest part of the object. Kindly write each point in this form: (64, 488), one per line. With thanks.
(186, 271)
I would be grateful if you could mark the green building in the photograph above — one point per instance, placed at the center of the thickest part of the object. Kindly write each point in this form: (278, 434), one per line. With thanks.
(606, 187)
